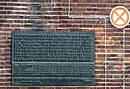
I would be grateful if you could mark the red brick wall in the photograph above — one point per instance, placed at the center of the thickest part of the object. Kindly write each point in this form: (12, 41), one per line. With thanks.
(112, 44)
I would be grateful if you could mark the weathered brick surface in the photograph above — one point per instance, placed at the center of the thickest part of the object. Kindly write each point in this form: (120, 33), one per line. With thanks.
(112, 69)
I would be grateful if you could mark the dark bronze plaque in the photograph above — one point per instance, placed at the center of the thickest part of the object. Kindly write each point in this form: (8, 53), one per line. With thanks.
(55, 59)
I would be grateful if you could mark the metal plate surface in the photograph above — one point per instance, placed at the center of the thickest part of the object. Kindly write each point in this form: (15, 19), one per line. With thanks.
(53, 58)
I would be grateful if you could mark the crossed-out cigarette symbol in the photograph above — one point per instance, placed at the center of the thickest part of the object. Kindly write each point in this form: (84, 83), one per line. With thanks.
(120, 17)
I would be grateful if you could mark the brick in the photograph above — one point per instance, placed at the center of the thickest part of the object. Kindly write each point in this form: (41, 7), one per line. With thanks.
(5, 0)
(3, 88)
(23, 88)
(25, 0)
(68, 87)
(93, 0)
(120, 87)
(82, 88)
(14, 0)
(47, 87)
(62, 30)
(13, 88)
(75, 30)
(57, 87)
(33, 88)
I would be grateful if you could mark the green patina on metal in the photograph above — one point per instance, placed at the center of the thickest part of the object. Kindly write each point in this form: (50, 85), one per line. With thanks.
(53, 58)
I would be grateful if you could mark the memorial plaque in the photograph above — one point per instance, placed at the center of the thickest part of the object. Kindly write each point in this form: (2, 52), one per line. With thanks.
(53, 58)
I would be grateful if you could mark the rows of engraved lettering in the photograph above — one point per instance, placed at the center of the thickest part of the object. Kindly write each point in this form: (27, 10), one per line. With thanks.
(50, 40)
(54, 69)
(46, 36)
(55, 56)
(37, 47)
(52, 80)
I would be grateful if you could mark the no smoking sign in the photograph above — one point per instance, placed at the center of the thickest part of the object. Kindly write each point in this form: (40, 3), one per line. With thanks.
(120, 17)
